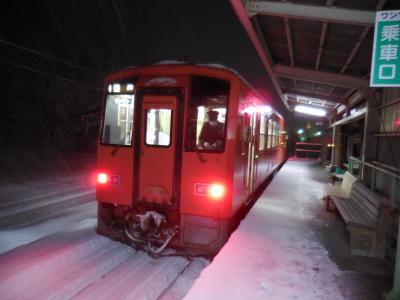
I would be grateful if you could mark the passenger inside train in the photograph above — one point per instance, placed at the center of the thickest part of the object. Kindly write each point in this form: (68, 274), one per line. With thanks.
(212, 133)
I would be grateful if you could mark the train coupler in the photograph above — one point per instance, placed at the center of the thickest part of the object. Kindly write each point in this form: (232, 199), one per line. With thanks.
(150, 231)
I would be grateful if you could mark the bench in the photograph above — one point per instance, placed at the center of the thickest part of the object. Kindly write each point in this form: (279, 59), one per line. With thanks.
(338, 190)
(365, 214)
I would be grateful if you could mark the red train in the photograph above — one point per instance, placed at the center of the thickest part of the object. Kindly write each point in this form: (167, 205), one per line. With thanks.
(182, 148)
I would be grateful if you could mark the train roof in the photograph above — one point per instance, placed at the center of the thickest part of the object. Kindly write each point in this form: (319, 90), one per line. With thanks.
(175, 67)
(171, 67)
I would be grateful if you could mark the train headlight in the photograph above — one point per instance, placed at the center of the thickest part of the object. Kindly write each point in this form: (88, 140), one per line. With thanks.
(102, 178)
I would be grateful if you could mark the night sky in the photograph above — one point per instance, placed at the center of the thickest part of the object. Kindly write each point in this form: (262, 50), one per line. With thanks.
(55, 55)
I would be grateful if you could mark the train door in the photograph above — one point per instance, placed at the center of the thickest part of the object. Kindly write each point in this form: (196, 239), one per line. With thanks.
(159, 142)
(252, 118)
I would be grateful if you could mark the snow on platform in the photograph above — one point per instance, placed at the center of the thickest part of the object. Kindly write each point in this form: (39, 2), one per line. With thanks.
(275, 253)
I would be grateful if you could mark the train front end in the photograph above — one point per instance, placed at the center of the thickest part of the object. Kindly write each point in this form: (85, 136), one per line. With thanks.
(162, 179)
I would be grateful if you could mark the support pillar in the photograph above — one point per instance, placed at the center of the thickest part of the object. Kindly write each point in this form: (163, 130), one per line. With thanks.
(337, 148)
(370, 142)
(394, 294)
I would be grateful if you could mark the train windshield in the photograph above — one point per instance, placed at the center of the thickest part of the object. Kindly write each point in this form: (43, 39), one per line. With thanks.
(118, 118)
(208, 111)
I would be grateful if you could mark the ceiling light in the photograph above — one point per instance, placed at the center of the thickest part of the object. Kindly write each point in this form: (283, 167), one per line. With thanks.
(310, 110)
(266, 108)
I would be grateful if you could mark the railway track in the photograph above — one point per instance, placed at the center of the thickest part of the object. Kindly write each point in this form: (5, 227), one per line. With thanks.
(29, 203)
(79, 264)
(64, 258)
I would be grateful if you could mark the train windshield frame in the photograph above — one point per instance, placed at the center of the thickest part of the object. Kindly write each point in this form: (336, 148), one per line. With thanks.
(207, 120)
(118, 118)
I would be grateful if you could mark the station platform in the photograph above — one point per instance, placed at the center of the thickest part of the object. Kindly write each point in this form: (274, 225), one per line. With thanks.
(290, 247)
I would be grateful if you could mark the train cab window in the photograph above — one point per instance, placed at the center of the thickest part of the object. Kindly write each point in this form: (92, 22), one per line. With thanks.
(207, 115)
(118, 118)
(158, 127)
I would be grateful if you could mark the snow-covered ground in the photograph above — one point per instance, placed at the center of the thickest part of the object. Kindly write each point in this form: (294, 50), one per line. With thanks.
(35, 209)
(27, 203)
(80, 264)
(50, 249)
(12, 238)
(274, 254)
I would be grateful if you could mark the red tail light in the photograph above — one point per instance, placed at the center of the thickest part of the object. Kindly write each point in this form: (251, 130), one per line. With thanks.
(216, 191)
(102, 178)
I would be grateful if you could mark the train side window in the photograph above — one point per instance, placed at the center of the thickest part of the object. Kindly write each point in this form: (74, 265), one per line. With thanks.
(263, 131)
(158, 127)
(270, 128)
(277, 135)
(273, 134)
(118, 120)
(246, 133)
(207, 114)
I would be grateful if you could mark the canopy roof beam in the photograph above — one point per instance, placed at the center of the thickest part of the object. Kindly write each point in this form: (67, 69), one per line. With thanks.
(315, 96)
(321, 77)
(289, 40)
(312, 12)
(321, 44)
(258, 44)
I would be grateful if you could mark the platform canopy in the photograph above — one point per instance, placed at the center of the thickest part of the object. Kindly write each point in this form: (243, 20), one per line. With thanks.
(318, 52)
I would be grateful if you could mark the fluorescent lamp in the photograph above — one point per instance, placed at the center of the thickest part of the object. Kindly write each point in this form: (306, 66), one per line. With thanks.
(266, 108)
(129, 87)
(116, 87)
(310, 110)
(249, 110)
